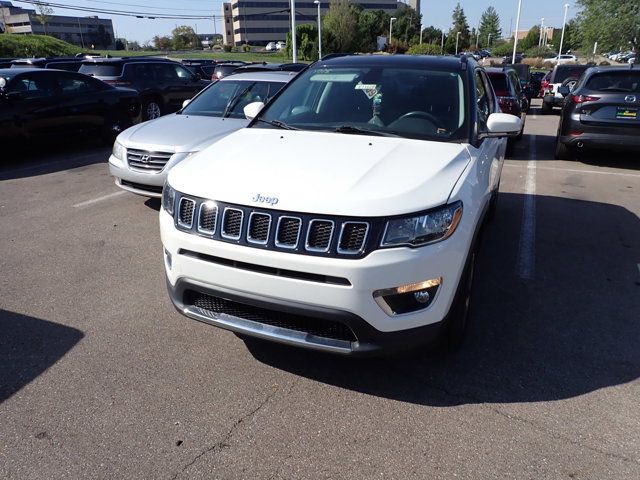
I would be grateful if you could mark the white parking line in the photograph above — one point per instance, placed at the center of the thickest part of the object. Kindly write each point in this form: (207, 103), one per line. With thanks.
(527, 246)
(575, 170)
(99, 199)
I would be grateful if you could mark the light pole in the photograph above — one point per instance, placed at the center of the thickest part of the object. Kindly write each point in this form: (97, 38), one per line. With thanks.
(564, 24)
(442, 43)
(294, 43)
(541, 32)
(457, 39)
(515, 39)
(391, 28)
(420, 34)
(488, 40)
(317, 2)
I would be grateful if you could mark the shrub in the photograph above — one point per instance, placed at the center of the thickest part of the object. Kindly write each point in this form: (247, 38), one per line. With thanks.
(604, 63)
(34, 46)
(424, 49)
(246, 47)
(502, 50)
(227, 48)
(397, 46)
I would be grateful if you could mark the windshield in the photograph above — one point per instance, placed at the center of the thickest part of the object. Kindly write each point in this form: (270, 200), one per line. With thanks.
(227, 98)
(408, 102)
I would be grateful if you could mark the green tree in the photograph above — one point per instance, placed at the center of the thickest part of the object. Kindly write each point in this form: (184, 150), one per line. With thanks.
(424, 49)
(460, 25)
(572, 36)
(162, 42)
(371, 24)
(489, 25)
(531, 40)
(306, 41)
(614, 24)
(184, 37)
(406, 27)
(432, 35)
(340, 27)
(44, 15)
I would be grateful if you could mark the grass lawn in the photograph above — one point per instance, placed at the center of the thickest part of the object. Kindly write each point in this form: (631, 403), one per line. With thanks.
(246, 57)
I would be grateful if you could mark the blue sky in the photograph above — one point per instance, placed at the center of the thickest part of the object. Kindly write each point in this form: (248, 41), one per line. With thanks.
(434, 12)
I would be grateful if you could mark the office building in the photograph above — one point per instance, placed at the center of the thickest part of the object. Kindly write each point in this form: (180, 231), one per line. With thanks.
(258, 22)
(85, 32)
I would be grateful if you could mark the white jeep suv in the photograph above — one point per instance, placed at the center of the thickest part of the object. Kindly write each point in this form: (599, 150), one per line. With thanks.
(345, 217)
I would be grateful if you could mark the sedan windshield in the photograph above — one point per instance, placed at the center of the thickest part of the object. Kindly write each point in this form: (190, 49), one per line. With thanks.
(227, 98)
(389, 101)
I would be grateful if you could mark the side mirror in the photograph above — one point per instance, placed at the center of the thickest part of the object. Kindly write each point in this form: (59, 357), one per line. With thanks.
(252, 110)
(503, 125)
(186, 102)
(564, 90)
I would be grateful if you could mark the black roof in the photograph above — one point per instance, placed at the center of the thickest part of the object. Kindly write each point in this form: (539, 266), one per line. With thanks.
(126, 59)
(448, 62)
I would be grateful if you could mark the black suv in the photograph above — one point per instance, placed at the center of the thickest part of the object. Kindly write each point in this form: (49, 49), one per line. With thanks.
(602, 111)
(70, 64)
(162, 84)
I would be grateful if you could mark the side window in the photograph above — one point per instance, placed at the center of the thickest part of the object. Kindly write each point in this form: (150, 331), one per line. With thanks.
(73, 85)
(483, 105)
(32, 86)
(165, 72)
(516, 83)
(183, 73)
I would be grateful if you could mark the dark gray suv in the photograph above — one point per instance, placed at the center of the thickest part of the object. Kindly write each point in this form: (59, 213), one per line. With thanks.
(162, 84)
(602, 111)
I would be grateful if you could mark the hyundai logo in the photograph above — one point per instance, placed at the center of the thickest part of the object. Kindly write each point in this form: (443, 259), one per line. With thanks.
(145, 158)
(630, 98)
(259, 198)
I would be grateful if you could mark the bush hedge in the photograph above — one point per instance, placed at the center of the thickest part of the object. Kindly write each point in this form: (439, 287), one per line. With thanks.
(12, 45)
(424, 49)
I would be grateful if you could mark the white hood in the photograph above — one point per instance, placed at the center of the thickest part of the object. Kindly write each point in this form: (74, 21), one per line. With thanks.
(324, 173)
(179, 133)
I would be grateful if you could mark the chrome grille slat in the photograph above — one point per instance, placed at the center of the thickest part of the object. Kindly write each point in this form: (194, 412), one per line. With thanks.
(353, 237)
(288, 232)
(232, 223)
(319, 235)
(185, 212)
(154, 161)
(207, 218)
(259, 227)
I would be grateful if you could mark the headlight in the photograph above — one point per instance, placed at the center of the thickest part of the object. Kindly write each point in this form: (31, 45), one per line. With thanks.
(119, 151)
(168, 198)
(420, 230)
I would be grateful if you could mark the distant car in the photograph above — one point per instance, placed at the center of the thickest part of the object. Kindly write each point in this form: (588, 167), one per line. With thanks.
(535, 82)
(484, 53)
(561, 75)
(281, 45)
(162, 84)
(51, 104)
(71, 64)
(271, 47)
(204, 68)
(508, 59)
(602, 111)
(564, 58)
(511, 96)
(271, 67)
(223, 69)
(142, 155)
(632, 60)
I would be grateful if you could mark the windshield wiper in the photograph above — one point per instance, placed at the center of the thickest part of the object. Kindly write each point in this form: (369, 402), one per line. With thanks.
(363, 131)
(277, 124)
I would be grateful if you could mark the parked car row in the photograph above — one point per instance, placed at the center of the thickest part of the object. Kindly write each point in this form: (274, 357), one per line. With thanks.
(623, 57)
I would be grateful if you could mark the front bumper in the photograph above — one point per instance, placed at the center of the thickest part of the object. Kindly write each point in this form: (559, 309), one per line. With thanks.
(141, 183)
(350, 304)
(555, 100)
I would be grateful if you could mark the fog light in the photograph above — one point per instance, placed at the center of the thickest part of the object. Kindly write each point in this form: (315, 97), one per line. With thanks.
(407, 298)
(422, 296)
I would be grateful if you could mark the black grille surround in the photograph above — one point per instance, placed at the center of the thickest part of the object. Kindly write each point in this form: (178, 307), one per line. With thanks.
(283, 231)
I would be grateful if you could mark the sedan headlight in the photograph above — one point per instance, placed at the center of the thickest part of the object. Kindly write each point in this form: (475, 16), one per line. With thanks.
(168, 198)
(119, 151)
(422, 229)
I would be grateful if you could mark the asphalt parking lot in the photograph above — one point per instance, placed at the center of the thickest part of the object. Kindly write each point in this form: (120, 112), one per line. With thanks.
(101, 378)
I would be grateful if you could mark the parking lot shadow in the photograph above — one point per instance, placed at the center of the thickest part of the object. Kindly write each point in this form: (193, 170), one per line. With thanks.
(572, 329)
(28, 347)
(41, 159)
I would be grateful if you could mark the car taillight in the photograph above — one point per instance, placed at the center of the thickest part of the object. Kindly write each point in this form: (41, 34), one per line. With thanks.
(584, 98)
(545, 84)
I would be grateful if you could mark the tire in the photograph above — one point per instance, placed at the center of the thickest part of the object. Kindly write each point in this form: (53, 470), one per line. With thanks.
(458, 319)
(563, 152)
(151, 109)
(493, 206)
(546, 108)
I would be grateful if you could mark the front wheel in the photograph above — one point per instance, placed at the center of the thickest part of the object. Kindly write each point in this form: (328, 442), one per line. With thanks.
(151, 109)
(458, 321)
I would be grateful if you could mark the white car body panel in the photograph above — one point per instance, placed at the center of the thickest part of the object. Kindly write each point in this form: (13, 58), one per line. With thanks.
(358, 175)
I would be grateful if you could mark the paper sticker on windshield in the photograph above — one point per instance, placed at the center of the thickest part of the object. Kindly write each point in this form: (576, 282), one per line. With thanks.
(369, 89)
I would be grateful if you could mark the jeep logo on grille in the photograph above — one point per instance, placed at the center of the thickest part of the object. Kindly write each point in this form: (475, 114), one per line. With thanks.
(258, 198)
(145, 158)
